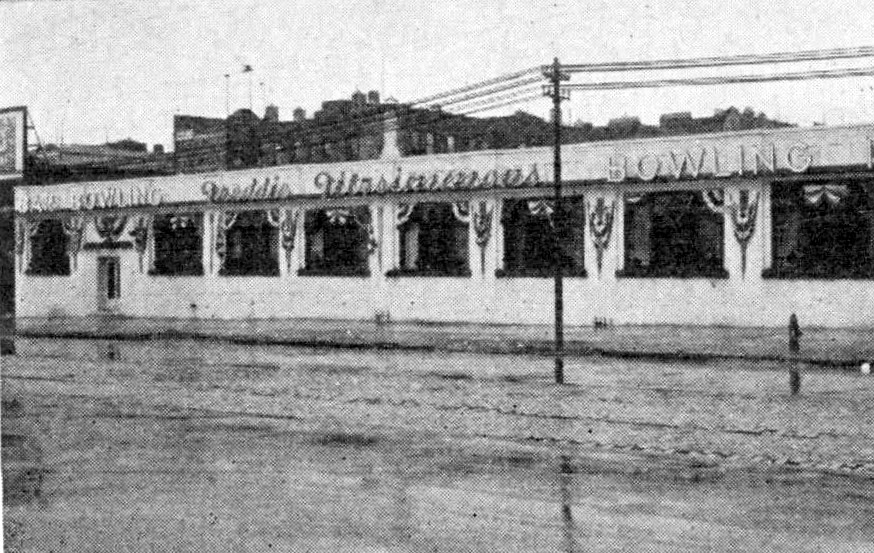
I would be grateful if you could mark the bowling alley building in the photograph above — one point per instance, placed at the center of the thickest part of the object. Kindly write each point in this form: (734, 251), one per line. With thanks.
(734, 228)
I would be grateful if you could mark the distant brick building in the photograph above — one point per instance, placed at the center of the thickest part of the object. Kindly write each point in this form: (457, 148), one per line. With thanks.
(127, 158)
(346, 130)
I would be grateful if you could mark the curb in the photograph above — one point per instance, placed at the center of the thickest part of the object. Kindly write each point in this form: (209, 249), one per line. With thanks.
(511, 347)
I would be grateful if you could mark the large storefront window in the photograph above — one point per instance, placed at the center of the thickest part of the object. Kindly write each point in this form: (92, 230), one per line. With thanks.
(252, 246)
(337, 242)
(673, 234)
(434, 240)
(48, 249)
(822, 230)
(178, 244)
(529, 230)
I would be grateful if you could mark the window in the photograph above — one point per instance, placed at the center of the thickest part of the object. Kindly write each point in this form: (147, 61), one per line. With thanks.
(673, 234)
(337, 241)
(48, 249)
(529, 231)
(434, 240)
(252, 246)
(178, 244)
(822, 230)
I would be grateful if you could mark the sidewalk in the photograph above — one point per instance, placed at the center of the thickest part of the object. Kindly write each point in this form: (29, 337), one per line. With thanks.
(833, 347)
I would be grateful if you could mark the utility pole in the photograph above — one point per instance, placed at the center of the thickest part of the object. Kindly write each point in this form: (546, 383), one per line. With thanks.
(555, 75)
(248, 69)
(227, 95)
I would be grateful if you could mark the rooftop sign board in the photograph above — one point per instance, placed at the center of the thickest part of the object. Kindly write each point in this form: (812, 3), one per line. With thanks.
(13, 142)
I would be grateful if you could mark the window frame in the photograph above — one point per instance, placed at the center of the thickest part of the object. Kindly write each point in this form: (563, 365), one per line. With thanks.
(44, 269)
(270, 269)
(664, 270)
(424, 211)
(196, 268)
(779, 268)
(574, 217)
(356, 223)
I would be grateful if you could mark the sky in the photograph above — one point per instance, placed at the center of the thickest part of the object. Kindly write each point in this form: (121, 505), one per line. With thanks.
(97, 70)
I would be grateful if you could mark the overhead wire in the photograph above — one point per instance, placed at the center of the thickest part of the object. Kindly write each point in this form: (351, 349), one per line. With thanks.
(486, 89)
(722, 80)
(330, 126)
(501, 98)
(719, 61)
(521, 99)
(413, 122)
(485, 103)
(473, 86)
(411, 115)
(486, 100)
(398, 124)
(482, 96)
(485, 93)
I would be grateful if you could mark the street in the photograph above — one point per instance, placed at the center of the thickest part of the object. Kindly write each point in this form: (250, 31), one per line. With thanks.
(200, 446)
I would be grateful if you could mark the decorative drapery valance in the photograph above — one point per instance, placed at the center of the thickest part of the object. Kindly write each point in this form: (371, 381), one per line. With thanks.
(74, 228)
(25, 229)
(601, 227)
(110, 227)
(288, 232)
(461, 211)
(743, 218)
(541, 208)
(404, 212)
(832, 194)
(339, 216)
(714, 199)
(482, 228)
(141, 234)
(224, 222)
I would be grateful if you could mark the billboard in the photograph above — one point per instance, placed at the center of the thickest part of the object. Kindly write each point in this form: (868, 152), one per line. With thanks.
(13, 142)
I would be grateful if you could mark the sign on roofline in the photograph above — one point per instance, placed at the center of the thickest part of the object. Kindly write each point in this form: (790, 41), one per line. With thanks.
(751, 154)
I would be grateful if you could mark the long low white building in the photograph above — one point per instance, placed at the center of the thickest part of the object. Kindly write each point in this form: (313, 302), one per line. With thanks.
(735, 228)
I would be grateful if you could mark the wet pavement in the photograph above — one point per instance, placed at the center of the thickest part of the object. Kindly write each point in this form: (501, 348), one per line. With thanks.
(186, 446)
(837, 347)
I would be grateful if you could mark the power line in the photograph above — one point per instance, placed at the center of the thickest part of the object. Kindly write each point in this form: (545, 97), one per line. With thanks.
(506, 80)
(722, 61)
(411, 116)
(519, 97)
(482, 93)
(523, 99)
(481, 84)
(483, 96)
(736, 79)
(469, 104)
(415, 122)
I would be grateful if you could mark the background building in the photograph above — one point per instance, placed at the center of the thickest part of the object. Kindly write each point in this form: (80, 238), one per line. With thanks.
(352, 129)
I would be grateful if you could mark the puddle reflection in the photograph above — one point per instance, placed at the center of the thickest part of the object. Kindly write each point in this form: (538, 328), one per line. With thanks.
(567, 517)
(363, 489)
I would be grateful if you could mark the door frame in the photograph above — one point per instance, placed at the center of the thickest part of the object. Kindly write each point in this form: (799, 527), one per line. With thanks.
(108, 282)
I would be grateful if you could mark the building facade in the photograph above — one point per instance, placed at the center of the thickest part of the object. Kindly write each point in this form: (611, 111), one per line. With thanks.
(731, 228)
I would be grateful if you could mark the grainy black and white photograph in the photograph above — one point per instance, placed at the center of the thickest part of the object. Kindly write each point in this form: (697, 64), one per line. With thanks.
(461, 276)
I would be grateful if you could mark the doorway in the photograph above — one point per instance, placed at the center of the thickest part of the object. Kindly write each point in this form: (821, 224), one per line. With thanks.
(108, 283)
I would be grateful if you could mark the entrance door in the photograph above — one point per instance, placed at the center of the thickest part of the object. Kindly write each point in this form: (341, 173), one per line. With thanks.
(108, 283)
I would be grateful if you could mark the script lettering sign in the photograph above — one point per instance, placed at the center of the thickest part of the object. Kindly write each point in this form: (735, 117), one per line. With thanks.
(333, 184)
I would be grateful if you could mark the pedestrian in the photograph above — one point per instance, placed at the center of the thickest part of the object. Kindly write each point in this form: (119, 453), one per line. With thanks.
(794, 347)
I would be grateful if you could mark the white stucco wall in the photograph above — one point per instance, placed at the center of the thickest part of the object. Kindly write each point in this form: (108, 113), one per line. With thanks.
(743, 299)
